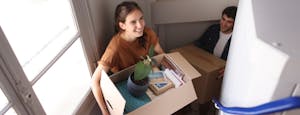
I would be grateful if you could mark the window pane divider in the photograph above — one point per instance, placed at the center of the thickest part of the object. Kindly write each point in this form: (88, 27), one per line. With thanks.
(52, 62)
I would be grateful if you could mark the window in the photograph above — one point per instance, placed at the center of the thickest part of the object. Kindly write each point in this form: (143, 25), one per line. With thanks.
(42, 58)
(61, 88)
(3, 100)
(37, 30)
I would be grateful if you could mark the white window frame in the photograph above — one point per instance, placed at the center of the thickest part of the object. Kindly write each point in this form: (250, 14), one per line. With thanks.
(18, 88)
(17, 80)
(9, 90)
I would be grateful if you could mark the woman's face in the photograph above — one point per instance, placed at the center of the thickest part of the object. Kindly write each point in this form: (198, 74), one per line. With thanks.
(134, 24)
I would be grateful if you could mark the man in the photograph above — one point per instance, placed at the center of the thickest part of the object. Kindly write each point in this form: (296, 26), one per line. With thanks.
(217, 37)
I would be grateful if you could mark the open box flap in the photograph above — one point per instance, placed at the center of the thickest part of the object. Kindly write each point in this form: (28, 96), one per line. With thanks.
(200, 59)
(114, 100)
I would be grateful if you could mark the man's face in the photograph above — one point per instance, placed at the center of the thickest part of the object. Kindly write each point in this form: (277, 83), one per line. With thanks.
(134, 24)
(226, 24)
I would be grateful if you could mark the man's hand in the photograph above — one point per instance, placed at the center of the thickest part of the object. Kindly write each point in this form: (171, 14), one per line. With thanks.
(221, 73)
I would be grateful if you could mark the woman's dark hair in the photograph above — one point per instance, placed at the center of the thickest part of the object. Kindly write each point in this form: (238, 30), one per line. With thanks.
(230, 11)
(122, 10)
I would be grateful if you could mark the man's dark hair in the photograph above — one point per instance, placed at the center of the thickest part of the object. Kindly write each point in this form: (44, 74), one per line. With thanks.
(230, 11)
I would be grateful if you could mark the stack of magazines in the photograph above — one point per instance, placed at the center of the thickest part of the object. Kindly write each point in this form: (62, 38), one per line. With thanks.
(172, 71)
(169, 76)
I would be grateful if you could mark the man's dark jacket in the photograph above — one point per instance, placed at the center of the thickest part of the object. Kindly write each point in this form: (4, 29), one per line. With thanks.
(209, 40)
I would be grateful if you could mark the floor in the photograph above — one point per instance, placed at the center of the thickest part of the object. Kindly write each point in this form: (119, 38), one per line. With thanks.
(198, 109)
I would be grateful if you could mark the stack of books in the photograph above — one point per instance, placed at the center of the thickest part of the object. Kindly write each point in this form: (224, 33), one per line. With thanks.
(172, 71)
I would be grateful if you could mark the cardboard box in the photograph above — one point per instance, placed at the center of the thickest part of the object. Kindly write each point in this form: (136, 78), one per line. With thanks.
(164, 104)
(209, 84)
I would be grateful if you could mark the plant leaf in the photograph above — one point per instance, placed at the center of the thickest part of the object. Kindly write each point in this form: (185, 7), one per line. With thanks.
(141, 71)
(151, 51)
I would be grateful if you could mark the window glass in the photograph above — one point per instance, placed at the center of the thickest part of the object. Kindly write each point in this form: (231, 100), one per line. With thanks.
(3, 100)
(37, 30)
(11, 111)
(63, 86)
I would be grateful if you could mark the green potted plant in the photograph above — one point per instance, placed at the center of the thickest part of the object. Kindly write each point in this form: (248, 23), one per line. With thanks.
(138, 81)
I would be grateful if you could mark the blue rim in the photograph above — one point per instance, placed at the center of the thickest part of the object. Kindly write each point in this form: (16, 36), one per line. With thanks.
(267, 108)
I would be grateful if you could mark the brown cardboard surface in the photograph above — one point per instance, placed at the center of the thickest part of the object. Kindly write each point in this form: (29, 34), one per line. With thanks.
(169, 101)
(208, 85)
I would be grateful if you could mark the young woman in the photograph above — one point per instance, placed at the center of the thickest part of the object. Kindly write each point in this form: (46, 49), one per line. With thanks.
(131, 41)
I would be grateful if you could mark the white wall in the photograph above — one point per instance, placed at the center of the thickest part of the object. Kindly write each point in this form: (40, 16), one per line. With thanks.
(180, 11)
(102, 17)
(179, 22)
(179, 34)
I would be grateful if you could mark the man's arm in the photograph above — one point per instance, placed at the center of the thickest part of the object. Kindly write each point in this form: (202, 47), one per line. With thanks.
(206, 41)
(201, 42)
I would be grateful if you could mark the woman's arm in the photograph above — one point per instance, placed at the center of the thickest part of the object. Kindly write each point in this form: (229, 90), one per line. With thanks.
(158, 49)
(96, 89)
